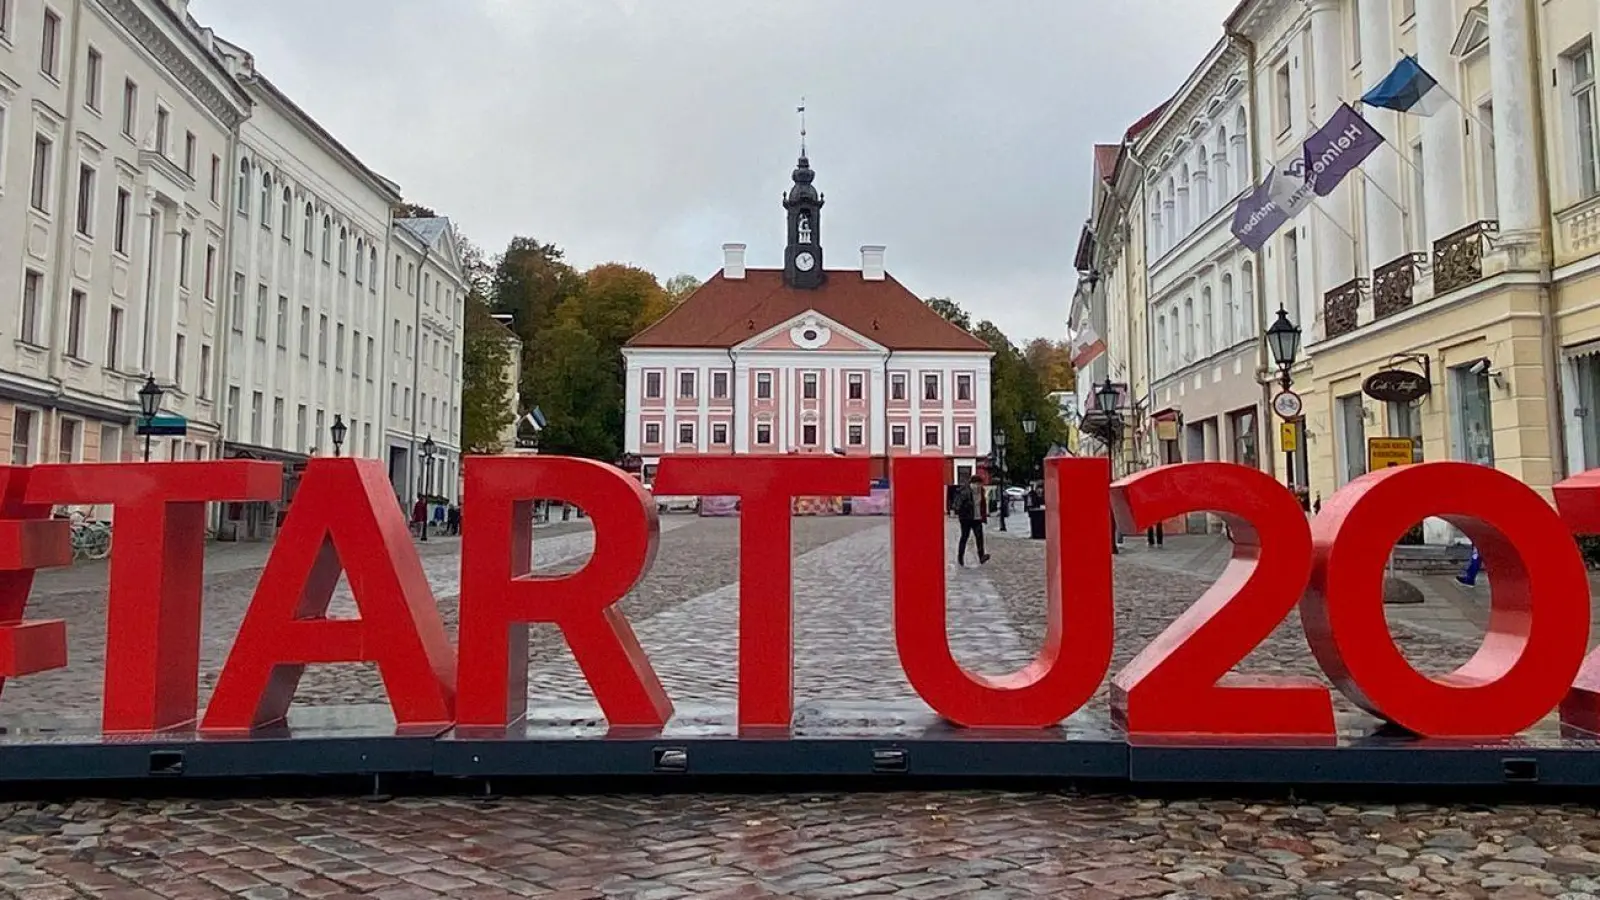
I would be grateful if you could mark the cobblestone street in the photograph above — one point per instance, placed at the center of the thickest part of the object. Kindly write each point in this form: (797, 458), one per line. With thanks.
(978, 844)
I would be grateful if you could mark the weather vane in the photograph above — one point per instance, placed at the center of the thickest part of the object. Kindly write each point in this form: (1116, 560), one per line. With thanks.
(802, 111)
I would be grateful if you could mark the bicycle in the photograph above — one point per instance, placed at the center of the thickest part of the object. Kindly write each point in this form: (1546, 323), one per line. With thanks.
(91, 537)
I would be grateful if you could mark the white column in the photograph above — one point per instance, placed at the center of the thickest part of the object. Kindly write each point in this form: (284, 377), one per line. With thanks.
(1385, 237)
(1334, 257)
(1443, 151)
(702, 429)
(1511, 71)
(877, 394)
(742, 420)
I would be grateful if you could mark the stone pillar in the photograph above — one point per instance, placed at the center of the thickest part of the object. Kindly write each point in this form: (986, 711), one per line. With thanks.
(1443, 150)
(1515, 120)
(1334, 256)
(1385, 235)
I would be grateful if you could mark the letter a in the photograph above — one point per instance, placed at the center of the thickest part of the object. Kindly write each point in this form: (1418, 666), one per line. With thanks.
(1073, 661)
(345, 518)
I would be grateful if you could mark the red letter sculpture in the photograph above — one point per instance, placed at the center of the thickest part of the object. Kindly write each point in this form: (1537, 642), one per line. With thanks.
(1181, 683)
(1578, 499)
(344, 518)
(152, 680)
(500, 596)
(767, 487)
(1538, 604)
(29, 540)
(1078, 636)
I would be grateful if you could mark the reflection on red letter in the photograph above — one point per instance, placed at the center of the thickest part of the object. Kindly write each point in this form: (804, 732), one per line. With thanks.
(500, 596)
(1076, 653)
(153, 610)
(1180, 684)
(344, 518)
(29, 540)
(1538, 601)
(1578, 500)
(767, 487)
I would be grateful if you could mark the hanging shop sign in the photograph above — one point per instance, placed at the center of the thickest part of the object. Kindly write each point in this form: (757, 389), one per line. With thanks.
(344, 519)
(1396, 386)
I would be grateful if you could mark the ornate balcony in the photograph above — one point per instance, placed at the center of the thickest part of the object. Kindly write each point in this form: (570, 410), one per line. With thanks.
(1392, 284)
(1341, 307)
(1458, 256)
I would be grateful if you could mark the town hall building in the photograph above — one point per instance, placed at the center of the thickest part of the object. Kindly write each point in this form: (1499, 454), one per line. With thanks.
(807, 359)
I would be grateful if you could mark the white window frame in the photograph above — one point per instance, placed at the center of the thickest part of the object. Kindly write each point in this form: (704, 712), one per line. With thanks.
(1583, 92)
(652, 432)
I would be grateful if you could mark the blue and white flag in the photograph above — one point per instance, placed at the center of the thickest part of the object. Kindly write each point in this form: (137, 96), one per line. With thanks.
(1408, 89)
(535, 419)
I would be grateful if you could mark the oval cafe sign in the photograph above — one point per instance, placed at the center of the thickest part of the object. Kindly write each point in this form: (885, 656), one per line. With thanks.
(1396, 386)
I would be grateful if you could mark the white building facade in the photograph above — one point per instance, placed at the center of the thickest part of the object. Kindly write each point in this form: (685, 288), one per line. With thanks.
(426, 293)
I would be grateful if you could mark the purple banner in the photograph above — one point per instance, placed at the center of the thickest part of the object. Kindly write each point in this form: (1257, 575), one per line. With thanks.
(1257, 216)
(1337, 148)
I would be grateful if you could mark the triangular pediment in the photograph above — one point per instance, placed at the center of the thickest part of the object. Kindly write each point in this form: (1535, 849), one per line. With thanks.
(1473, 33)
(810, 332)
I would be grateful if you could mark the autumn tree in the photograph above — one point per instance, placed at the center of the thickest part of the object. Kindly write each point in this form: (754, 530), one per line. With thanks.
(487, 404)
(1052, 362)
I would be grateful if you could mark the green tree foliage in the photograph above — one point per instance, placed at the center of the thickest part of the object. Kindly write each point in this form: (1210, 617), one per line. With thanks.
(681, 286)
(486, 392)
(951, 311)
(413, 211)
(1052, 361)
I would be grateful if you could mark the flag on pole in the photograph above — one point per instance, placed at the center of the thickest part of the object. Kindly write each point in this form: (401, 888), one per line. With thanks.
(535, 419)
(1087, 346)
(1258, 216)
(1337, 148)
(1409, 89)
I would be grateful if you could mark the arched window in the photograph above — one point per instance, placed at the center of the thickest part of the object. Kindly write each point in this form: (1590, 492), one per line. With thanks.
(1247, 301)
(1188, 329)
(1202, 184)
(327, 239)
(244, 186)
(372, 269)
(266, 200)
(1228, 312)
(1241, 148)
(1185, 199)
(1174, 362)
(1169, 211)
(1224, 178)
(287, 211)
(360, 257)
(1207, 323)
(427, 282)
(311, 219)
(1164, 349)
(344, 250)
(1155, 226)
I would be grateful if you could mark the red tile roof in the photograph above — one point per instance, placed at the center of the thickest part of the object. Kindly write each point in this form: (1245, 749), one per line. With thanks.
(1146, 121)
(1105, 160)
(724, 313)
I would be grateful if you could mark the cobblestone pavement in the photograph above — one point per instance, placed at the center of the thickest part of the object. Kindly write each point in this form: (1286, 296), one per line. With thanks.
(980, 844)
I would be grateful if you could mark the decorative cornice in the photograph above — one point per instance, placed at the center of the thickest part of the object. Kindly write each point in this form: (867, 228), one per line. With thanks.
(1216, 83)
(204, 79)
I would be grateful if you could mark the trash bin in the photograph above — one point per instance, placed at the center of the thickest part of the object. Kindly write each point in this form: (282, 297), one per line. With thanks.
(1036, 523)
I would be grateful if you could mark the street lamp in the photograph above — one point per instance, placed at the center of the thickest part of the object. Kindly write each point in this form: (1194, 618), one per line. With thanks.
(1030, 425)
(1283, 339)
(427, 474)
(339, 430)
(1105, 397)
(149, 404)
(1000, 459)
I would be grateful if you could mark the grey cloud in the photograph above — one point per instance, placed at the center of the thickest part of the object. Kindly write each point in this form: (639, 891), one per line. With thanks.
(651, 131)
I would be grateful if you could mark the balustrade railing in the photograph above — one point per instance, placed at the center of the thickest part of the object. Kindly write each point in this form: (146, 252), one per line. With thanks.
(1392, 284)
(1458, 256)
(1341, 307)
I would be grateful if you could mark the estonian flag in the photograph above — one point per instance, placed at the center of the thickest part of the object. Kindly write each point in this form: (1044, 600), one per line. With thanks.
(1408, 89)
(535, 419)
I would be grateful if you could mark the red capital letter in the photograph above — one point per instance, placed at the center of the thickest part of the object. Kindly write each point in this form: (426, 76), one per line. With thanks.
(500, 596)
(767, 487)
(1074, 659)
(344, 518)
(29, 540)
(1182, 683)
(152, 679)
(1578, 500)
(1538, 600)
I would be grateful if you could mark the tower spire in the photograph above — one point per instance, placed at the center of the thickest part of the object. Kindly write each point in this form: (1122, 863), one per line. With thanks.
(802, 111)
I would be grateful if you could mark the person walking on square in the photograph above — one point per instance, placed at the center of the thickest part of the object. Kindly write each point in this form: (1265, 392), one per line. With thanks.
(972, 513)
(1469, 576)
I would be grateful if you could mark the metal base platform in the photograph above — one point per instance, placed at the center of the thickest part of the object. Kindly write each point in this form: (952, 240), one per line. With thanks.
(833, 741)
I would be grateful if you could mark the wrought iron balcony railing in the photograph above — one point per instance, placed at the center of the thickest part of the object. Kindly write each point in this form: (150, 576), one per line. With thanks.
(1458, 256)
(1393, 282)
(1341, 307)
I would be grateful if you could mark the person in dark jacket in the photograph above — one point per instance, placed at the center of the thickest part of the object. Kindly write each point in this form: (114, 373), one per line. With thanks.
(972, 512)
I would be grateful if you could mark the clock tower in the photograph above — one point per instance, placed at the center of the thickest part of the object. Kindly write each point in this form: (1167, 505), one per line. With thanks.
(802, 261)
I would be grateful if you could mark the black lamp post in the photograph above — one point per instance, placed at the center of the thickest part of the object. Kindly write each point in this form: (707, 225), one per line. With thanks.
(338, 431)
(149, 404)
(1030, 426)
(1000, 459)
(427, 475)
(1105, 400)
(1283, 340)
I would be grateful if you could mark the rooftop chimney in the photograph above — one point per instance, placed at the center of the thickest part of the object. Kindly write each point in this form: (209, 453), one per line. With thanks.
(872, 262)
(733, 262)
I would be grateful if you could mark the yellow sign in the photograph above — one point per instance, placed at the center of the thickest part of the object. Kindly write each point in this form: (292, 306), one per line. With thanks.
(1288, 437)
(1166, 429)
(1386, 453)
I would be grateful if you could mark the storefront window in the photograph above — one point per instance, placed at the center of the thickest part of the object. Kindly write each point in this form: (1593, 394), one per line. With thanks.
(1405, 420)
(1352, 439)
(1474, 432)
(1245, 451)
(1588, 378)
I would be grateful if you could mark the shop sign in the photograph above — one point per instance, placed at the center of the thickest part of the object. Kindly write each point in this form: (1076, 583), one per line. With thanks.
(1396, 386)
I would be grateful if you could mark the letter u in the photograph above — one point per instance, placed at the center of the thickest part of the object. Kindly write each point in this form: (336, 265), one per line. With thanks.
(1077, 646)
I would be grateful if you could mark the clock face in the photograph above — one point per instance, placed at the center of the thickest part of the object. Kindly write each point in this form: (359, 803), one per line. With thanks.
(805, 262)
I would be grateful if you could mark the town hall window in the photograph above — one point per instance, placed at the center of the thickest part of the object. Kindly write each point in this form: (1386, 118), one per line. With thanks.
(686, 385)
(897, 387)
(719, 434)
(854, 387)
(764, 386)
(963, 387)
(686, 433)
(930, 387)
(652, 385)
(856, 434)
(964, 435)
(897, 435)
(808, 386)
(808, 434)
(719, 385)
(652, 433)
(764, 434)
(930, 435)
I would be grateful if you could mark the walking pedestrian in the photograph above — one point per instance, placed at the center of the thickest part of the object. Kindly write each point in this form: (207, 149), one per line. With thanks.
(1469, 575)
(972, 512)
(1156, 535)
(453, 521)
(419, 515)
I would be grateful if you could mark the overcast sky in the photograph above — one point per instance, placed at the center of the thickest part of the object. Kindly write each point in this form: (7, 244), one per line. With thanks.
(653, 131)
